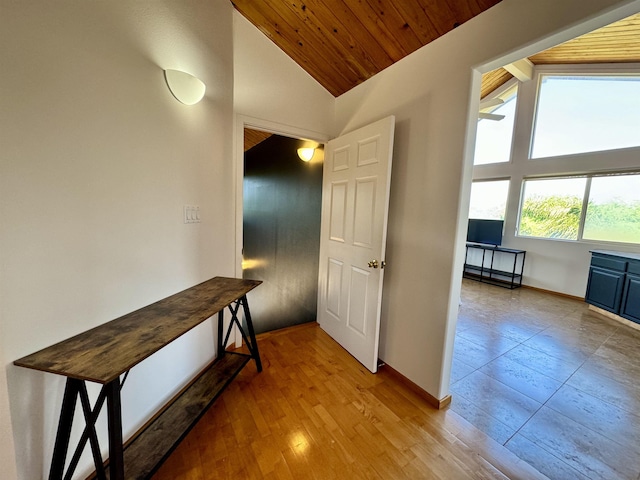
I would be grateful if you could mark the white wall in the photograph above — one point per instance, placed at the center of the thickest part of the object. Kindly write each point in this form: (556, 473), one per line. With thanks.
(7, 451)
(270, 86)
(556, 265)
(429, 93)
(97, 161)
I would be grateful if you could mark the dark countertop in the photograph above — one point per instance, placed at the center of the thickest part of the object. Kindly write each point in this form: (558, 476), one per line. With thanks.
(633, 256)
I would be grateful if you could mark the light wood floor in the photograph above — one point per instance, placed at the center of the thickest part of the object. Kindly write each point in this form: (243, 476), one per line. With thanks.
(316, 413)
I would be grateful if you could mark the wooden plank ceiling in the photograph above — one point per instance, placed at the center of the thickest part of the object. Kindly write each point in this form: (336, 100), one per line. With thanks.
(342, 43)
(254, 137)
(618, 42)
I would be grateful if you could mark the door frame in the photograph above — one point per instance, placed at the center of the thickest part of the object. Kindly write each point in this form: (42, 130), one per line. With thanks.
(240, 123)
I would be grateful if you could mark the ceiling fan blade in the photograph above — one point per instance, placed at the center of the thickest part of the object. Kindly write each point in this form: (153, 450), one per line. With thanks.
(490, 116)
(492, 102)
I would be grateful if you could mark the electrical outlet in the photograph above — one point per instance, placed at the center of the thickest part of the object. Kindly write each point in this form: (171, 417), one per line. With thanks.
(191, 214)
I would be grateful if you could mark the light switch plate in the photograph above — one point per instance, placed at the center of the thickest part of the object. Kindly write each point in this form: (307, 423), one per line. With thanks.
(191, 214)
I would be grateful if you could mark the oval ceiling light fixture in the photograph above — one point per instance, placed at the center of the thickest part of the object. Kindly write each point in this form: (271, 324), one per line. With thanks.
(306, 154)
(184, 86)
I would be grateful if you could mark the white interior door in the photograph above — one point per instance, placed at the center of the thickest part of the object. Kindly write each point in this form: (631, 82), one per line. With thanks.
(355, 204)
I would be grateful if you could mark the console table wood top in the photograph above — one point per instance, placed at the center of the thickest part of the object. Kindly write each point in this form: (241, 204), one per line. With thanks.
(105, 352)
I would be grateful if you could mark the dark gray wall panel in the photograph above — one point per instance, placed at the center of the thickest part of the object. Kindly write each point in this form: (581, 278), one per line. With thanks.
(282, 202)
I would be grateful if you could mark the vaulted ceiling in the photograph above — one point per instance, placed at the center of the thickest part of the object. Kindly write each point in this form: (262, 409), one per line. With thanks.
(618, 42)
(342, 43)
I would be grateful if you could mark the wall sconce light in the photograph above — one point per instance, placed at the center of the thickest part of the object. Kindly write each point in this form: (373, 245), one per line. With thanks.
(184, 86)
(306, 154)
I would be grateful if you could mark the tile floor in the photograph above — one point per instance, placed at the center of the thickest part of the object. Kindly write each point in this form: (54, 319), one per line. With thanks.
(554, 382)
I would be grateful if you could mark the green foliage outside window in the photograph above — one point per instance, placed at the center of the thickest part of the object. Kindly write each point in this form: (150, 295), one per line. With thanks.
(615, 221)
(559, 217)
(553, 216)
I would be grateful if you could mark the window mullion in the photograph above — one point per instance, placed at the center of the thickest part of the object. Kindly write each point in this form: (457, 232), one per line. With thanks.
(585, 204)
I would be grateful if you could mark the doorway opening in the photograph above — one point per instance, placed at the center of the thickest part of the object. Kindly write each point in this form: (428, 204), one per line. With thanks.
(529, 367)
(282, 199)
(352, 203)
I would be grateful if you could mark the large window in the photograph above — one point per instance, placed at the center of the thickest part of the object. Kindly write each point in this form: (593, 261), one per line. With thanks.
(590, 116)
(613, 212)
(493, 137)
(592, 207)
(489, 199)
(578, 114)
(552, 208)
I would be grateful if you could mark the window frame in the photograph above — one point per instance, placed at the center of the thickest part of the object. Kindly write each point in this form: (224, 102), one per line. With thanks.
(499, 179)
(572, 70)
(500, 92)
(520, 168)
(583, 212)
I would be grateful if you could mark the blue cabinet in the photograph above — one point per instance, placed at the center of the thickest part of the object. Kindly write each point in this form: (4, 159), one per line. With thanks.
(614, 283)
(630, 308)
(605, 287)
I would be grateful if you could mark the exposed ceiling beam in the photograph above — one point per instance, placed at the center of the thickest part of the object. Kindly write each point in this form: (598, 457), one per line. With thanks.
(522, 69)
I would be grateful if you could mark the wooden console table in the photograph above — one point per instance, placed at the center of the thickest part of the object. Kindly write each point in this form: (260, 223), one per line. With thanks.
(108, 351)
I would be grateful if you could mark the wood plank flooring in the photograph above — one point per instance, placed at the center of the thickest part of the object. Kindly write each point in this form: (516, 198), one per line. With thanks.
(316, 413)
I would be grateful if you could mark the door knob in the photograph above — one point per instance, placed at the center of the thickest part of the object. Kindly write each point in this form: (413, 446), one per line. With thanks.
(373, 264)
